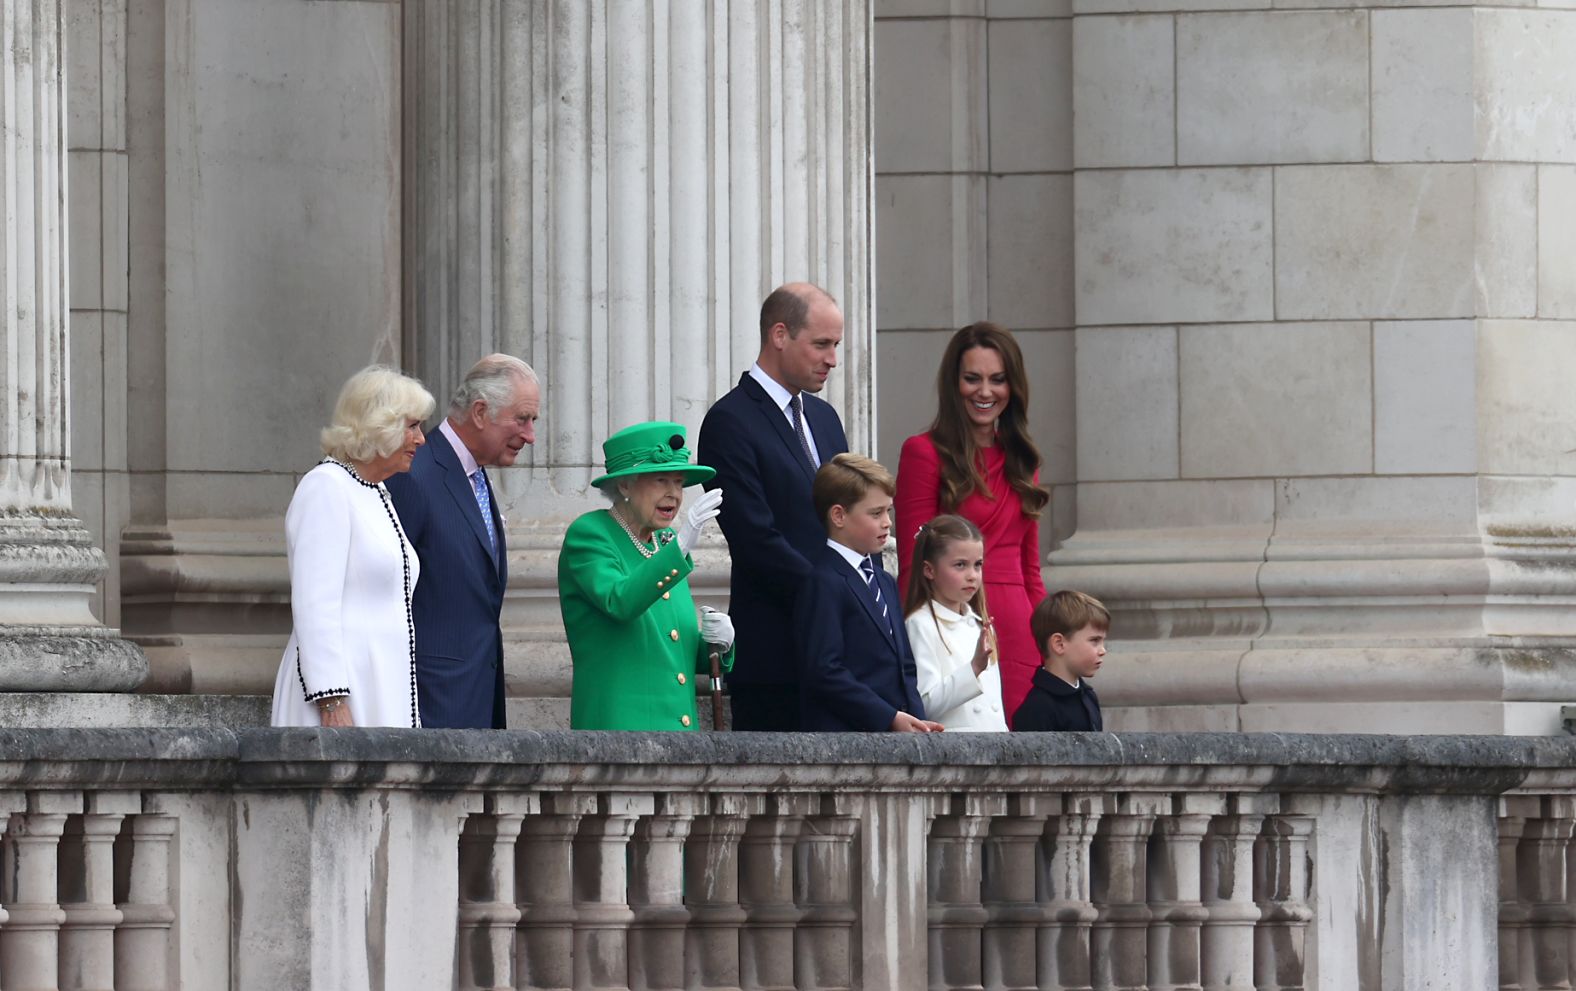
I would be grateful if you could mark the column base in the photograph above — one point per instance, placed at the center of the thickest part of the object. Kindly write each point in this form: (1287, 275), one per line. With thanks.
(79, 660)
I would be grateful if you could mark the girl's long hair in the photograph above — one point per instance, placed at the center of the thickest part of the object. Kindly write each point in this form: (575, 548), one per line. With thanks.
(931, 544)
(953, 435)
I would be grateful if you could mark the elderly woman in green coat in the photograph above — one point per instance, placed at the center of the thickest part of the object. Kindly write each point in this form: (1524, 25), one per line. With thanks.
(634, 636)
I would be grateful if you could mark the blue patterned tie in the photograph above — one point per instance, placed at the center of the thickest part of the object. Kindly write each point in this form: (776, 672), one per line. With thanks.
(798, 428)
(868, 569)
(484, 503)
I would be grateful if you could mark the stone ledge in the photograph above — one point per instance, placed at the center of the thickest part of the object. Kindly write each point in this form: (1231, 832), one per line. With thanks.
(480, 759)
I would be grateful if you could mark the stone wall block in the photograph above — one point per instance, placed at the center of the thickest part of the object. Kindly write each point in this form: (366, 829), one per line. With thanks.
(1124, 92)
(1030, 255)
(1031, 95)
(1185, 246)
(85, 214)
(1507, 268)
(1556, 227)
(1425, 397)
(1422, 85)
(1053, 420)
(1364, 242)
(930, 97)
(1271, 87)
(1525, 99)
(1525, 404)
(1127, 403)
(1298, 416)
(939, 277)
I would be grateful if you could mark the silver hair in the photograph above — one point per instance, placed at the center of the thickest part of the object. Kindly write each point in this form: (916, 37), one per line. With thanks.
(493, 381)
(373, 409)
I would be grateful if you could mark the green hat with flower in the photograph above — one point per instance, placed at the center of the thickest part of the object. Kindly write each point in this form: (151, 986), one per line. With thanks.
(650, 448)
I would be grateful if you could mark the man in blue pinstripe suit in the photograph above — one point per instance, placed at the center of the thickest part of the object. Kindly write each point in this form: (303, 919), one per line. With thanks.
(446, 505)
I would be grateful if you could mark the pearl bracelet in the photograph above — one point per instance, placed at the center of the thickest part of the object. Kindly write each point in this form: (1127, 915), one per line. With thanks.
(329, 705)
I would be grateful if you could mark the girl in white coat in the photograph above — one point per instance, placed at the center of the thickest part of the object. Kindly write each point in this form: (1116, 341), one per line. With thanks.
(949, 627)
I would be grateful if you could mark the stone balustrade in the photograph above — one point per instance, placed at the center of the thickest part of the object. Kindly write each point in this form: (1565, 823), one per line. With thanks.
(158, 859)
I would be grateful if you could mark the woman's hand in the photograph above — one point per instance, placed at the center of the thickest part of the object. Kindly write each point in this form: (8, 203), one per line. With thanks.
(716, 628)
(335, 711)
(905, 723)
(701, 512)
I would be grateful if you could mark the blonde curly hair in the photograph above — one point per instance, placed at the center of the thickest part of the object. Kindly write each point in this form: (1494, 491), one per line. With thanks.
(370, 416)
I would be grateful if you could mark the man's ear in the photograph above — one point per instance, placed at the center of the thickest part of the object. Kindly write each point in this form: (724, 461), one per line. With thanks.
(838, 515)
(1058, 644)
(778, 335)
(479, 415)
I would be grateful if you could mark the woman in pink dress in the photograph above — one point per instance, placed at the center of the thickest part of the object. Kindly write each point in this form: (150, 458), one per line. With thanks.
(978, 461)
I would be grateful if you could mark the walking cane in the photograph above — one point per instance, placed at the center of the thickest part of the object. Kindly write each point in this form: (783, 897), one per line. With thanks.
(716, 686)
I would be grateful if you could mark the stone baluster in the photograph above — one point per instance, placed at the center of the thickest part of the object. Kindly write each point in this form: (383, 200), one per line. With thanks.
(601, 885)
(824, 942)
(488, 914)
(87, 891)
(711, 890)
(1281, 872)
(11, 804)
(30, 941)
(1542, 877)
(656, 893)
(766, 891)
(1013, 915)
(1514, 811)
(1175, 892)
(1065, 892)
(1226, 944)
(954, 875)
(142, 940)
(1119, 938)
(544, 861)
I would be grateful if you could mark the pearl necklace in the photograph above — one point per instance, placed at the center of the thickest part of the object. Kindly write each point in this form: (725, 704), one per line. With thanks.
(640, 545)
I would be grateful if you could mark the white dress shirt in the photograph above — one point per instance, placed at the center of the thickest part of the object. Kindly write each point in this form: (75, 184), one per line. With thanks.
(943, 651)
(780, 396)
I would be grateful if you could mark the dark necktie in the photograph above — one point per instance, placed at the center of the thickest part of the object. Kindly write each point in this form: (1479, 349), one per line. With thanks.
(868, 569)
(798, 428)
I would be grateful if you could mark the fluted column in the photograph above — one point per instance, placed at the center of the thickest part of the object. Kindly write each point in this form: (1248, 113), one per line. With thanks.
(610, 189)
(49, 638)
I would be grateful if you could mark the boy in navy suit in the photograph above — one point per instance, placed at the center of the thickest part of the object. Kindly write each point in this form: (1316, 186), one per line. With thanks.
(856, 667)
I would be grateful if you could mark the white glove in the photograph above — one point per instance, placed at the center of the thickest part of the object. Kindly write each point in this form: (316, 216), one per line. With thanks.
(716, 627)
(701, 512)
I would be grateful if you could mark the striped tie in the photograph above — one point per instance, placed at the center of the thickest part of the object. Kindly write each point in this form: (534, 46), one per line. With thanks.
(868, 569)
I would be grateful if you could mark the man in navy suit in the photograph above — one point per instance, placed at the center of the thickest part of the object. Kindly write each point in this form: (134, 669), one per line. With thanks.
(766, 438)
(857, 670)
(446, 505)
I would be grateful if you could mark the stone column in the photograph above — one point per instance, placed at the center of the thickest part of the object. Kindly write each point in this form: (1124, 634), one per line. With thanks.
(49, 638)
(609, 190)
(1324, 471)
(142, 940)
(29, 885)
(87, 891)
(488, 915)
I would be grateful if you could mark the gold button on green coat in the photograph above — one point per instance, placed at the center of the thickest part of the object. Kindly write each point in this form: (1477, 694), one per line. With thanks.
(632, 646)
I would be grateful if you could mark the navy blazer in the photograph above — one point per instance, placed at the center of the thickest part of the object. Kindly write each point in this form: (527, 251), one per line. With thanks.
(856, 670)
(769, 519)
(459, 597)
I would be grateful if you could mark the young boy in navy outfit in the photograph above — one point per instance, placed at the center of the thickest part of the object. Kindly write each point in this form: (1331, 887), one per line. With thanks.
(855, 665)
(1070, 628)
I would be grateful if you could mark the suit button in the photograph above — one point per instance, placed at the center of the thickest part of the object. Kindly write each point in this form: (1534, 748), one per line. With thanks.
(682, 679)
(684, 720)
(667, 595)
(674, 634)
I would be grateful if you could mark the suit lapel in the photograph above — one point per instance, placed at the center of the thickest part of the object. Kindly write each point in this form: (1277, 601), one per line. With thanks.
(459, 488)
(778, 421)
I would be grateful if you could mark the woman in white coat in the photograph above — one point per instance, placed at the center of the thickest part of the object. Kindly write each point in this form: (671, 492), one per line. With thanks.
(949, 627)
(351, 659)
